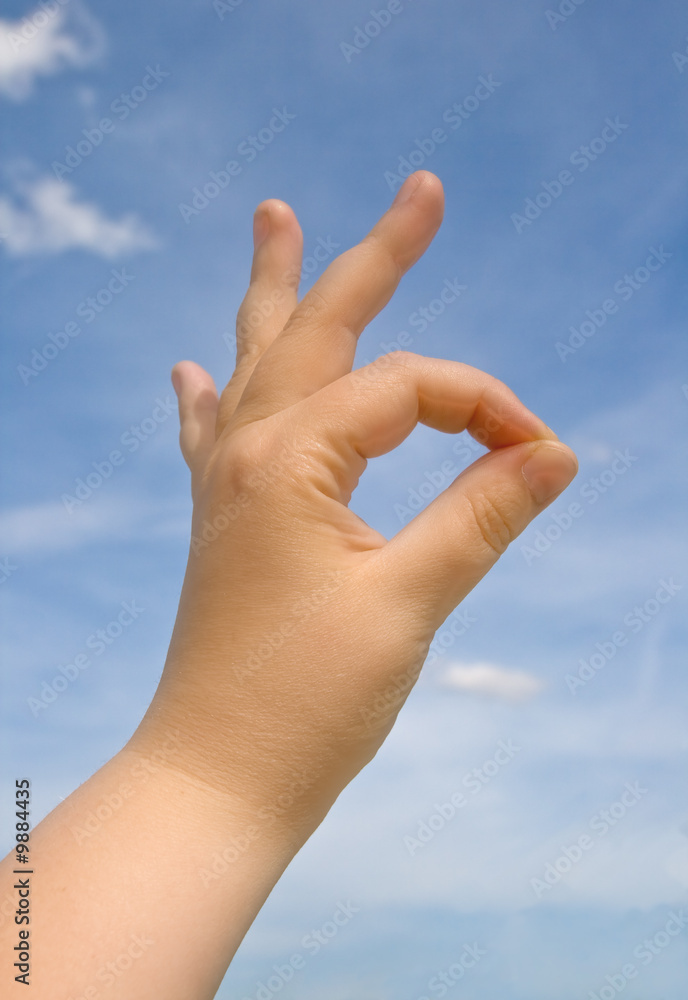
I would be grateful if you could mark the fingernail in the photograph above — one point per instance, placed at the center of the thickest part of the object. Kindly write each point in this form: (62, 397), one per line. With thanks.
(261, 227)
(407, 189)
(175, 379)
(548, 471)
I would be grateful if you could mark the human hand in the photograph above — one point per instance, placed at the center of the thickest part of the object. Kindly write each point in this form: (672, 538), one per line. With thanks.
(301, 629)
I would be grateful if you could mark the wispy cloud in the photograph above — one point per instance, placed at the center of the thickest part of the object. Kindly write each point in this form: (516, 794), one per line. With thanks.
(43, 528)
(491, 681)
(45, 216)
(41, 45)
(46, 527)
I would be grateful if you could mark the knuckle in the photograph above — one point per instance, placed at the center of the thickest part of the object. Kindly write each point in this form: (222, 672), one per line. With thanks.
(248, 352)
(381, 258)
(235, 462)
(492, 521)
(241, 455)
(312, 310)
(391, 370)
(291, 278)
(399, 360)
(260, 461)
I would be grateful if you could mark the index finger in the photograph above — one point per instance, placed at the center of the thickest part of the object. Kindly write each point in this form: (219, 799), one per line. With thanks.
(374, 408)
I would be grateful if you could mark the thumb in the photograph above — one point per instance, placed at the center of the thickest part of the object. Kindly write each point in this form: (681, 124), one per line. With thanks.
(445, 550)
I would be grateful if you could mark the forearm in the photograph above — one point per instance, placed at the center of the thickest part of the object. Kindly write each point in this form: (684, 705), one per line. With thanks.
(145, 882)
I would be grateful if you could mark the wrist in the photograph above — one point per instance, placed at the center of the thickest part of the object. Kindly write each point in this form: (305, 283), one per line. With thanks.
(257, 807)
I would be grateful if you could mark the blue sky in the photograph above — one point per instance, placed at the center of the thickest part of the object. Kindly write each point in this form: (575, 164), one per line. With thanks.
(576, 119)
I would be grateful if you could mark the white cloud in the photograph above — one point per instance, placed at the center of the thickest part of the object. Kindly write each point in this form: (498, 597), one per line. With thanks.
(52, 220)
(492, 681)
(40, 45)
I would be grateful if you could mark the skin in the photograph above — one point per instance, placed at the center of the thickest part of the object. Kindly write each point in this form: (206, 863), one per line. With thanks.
(300, 629)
